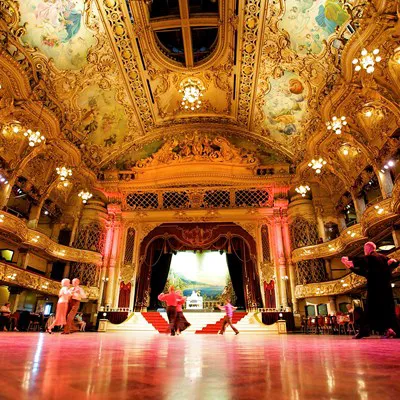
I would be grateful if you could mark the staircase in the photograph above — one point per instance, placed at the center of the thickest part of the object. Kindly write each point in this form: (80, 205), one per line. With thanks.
(213, 328)
(157, 320)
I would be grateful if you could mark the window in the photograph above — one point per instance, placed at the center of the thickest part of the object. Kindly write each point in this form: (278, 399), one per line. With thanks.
(310, 311)
(322, 309)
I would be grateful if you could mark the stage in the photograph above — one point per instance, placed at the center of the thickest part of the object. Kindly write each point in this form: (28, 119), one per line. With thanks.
(153, 366)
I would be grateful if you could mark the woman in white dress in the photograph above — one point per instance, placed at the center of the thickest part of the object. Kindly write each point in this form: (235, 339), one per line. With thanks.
(62, 305)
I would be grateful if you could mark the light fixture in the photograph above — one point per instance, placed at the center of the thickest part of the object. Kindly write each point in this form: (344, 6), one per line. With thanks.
(1, 218)
(34, 137)
(345, 151)
(285, 278)
(12, 128)
(192, 89)
(396, 55)
(64, 173)
(387, 247)
(3, 180)
(368, 111)
(303, 189)
(336, 124)
(85, 196)
(392, 284)
(12, 276)
(388, 165)
(367, 61)
(46, 212)
(316, 165)
(35, 239)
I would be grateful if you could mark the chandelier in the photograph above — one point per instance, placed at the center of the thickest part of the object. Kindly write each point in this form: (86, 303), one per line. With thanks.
(316, 165)
(303, 189)
(85, 196)
(64, 173)
(12, 127)
(192, 90)
(336, 124)
(34, 138)
(367, 61)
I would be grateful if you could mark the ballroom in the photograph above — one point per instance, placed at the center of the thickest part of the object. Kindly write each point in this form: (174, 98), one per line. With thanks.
(200, 199)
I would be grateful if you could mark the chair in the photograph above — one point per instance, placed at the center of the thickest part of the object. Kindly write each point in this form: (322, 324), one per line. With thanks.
(328, 326)
(342, 324)
(34, 326)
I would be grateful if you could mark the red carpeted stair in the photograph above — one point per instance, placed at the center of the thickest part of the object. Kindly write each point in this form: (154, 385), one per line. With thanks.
(155, 319)
(213, 329)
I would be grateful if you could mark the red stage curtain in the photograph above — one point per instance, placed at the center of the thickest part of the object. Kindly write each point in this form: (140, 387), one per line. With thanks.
(269, 290)
(124, 295)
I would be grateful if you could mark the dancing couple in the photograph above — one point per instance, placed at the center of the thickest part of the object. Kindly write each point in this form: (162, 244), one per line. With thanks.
(176, 319)
(69, 299)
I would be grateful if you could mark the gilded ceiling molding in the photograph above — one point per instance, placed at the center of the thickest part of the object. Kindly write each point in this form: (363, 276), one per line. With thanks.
(250, 32)
(122, 42)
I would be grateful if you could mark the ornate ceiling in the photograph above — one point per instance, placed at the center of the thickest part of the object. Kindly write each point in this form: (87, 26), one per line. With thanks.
(271, 70)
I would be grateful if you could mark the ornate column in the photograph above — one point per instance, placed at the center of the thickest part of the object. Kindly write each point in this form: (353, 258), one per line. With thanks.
(34, 215)
(385, 183)
(280, 258)
(260, 260)
(5, 194)
(359, 205)
(288, 253)
(332, 304)
(319, 210)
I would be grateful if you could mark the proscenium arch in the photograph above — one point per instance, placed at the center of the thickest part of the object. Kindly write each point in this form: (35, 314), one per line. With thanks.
(222, 239)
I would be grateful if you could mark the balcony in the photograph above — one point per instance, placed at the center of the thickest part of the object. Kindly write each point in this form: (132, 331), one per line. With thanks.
(19, 232)
(15, 276)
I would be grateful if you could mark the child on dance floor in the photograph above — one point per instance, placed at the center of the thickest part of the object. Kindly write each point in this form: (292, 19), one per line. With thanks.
(228, 308)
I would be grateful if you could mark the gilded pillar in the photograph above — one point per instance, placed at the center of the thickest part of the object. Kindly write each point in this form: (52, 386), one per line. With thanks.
(292, 273)
(280, 259)
(385, 183)
(359, 205)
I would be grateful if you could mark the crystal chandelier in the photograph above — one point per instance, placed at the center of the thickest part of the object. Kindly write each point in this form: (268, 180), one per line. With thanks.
(316, 165)
(85, 196)
(336, 124)
(64, 173)
(367, 61)
(34, 138)
(303, 189)
(192, 90)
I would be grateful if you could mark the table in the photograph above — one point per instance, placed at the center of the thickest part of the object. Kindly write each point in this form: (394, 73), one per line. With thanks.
(269, 318)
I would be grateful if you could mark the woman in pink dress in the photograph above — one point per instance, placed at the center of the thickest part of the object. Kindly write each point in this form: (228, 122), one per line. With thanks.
(62, 305)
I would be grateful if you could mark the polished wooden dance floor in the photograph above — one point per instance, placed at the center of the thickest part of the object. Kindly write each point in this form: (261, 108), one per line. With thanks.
(152, 366)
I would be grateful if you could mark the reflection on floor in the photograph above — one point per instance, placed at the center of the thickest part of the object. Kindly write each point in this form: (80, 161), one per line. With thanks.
(154, 366)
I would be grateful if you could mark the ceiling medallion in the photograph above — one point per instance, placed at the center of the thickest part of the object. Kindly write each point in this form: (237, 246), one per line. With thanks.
(317, 165)
(336, 124)
(367, 61)
(303, 189)
(64, 173)
(192, 90)
(85, 196)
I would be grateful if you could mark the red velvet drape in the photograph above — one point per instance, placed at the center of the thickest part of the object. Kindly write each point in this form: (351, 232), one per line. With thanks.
(124, 295)
(269, 290)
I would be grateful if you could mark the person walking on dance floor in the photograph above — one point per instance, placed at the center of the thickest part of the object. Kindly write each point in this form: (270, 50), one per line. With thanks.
(171, 298)
(228, 308)
(62, 306)
(181, 322)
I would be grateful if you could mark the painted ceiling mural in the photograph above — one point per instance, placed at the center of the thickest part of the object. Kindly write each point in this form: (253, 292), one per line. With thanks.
(57, 28)
(104, 108)
(310, 22)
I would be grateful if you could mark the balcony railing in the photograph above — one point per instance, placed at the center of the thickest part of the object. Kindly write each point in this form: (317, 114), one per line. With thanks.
(18, 229)
(29, 280)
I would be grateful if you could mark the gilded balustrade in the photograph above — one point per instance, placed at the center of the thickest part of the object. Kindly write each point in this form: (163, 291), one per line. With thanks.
(337, 286)
(332, 248)
(376, 214)
(16, 227)
(29, 280)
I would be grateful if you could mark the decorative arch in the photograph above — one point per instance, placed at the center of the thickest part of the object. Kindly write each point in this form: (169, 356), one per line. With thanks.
(168, 238)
